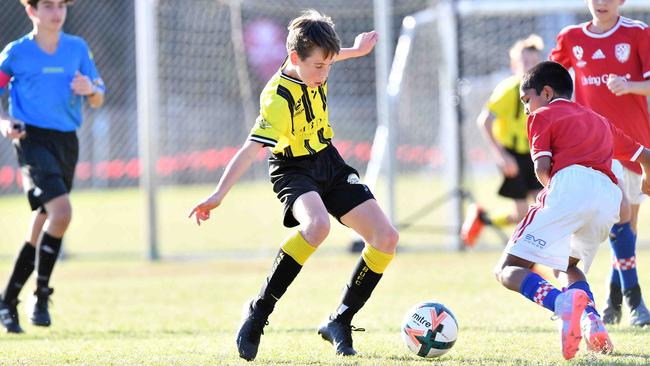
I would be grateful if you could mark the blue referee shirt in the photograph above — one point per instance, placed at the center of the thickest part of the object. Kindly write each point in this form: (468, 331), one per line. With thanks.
(39, 89)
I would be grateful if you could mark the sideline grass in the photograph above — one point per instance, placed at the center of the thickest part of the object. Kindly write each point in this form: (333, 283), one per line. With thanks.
(138, 313)
(109, 223)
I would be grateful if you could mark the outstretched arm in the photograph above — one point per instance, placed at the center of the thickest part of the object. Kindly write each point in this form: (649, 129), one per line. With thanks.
(235, 169)
(363, 44)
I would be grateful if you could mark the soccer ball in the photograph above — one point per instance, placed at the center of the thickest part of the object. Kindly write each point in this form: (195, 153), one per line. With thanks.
(429, 329)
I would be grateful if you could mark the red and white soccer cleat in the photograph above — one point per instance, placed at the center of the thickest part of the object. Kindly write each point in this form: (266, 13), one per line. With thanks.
(472, 226)
(595, 334)
(569, 307)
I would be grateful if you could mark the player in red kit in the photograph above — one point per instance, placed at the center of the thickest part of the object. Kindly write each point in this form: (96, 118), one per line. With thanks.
(610, 56)
(572, 148)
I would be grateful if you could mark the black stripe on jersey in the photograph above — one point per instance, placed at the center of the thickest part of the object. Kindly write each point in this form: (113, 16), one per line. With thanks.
(309, 148)
(263, 140)
(323, 97)
(286, 94)
(321, 137)
(309, 111)
(287, 152)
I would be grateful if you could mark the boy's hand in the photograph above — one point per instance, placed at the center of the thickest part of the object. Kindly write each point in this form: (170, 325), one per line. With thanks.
(365, 42)
(618, 85)
(11, 128)
(81, 85)
(508, 166)
(202, 210)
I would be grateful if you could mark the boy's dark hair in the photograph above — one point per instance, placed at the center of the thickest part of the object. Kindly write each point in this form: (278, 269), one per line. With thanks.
(34, 3)
(548, 73)
(310, 30)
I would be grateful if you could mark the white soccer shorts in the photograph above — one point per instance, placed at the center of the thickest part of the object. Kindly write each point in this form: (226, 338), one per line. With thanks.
(571, 217)
(630, 182)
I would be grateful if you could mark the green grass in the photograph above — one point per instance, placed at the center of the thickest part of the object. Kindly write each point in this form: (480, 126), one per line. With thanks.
(109, 222)
(113, 308)
(187, 313)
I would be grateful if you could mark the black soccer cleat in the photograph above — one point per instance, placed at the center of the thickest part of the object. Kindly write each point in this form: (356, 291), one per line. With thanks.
(339, 335)
(9, 316)
(250, 331)
(40, 315)
(612, 314)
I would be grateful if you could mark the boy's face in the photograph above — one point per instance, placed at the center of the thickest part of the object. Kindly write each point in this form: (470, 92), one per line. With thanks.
(313, 70)
(604, 10)
(49, 14)
(528, 59)
(533, 101)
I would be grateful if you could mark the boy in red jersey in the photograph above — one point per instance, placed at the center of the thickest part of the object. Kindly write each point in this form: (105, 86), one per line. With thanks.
(610, 56)
(572, 148)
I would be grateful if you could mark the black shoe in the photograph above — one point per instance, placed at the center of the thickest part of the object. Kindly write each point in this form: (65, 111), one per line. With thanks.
(40, 313)
(250, 331)
(612, 312)
(339, 335)
(9, 316)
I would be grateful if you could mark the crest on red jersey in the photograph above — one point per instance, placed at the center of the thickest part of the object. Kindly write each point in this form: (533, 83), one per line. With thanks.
(622, 52)
(578, 52)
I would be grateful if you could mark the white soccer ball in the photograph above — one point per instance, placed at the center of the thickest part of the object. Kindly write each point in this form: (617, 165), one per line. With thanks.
(429, 329)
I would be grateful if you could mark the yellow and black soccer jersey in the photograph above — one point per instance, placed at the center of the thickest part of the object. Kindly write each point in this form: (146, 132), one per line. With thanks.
(509, 127)
(293, 117)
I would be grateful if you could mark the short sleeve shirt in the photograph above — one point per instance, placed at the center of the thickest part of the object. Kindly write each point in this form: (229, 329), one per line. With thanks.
(39, 83)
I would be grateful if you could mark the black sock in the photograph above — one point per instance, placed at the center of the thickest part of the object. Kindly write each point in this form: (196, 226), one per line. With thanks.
(23, 268)
(284, 271)
(48, 253)
(357, 292)
(632, 296)
(615, 297)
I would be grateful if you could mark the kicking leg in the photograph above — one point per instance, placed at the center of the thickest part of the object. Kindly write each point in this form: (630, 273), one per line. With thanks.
(369, 221)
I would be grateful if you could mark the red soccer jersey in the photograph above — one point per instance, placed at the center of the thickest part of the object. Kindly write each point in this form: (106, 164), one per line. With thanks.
(573, 134)
(624, 50)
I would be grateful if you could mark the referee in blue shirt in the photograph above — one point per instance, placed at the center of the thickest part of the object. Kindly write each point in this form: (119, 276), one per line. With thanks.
(49, 75)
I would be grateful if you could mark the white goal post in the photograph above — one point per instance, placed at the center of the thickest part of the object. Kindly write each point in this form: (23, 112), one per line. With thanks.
(455, 105)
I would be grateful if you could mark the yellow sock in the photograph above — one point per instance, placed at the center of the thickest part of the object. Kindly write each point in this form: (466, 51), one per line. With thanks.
(376, 260)
(502, 220)
(297, 247)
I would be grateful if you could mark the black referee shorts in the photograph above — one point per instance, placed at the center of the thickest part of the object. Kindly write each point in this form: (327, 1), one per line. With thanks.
(48, 159)
(520, 186)
(325, 173)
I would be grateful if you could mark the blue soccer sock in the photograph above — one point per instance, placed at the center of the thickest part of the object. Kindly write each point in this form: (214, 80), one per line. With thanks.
(537, 290)
(583, 285)
(623, 242)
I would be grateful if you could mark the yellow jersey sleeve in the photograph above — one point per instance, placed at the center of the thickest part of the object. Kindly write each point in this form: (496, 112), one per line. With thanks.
(509, 127)
(274, 121)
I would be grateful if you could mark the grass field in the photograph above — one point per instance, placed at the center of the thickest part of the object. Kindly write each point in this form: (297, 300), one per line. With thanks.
(133, 313)
(113, 308)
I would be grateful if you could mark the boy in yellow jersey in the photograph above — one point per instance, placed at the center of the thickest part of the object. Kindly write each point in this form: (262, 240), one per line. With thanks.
(311, 180)
(503, 125)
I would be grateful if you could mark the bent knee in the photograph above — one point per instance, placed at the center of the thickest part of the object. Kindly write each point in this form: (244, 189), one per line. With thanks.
(317, 230)
(386, 239)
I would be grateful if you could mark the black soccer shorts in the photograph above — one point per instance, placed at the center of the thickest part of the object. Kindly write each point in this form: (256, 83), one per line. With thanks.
(325, 173)
(520, 186)
(48, 159)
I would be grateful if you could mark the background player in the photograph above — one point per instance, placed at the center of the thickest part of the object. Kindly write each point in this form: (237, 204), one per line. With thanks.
(610, 56)
(47, 93)
(311, 179)
(503, 125)
(572, 149)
